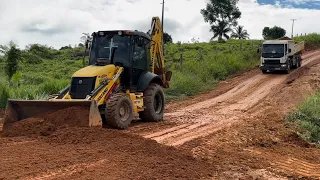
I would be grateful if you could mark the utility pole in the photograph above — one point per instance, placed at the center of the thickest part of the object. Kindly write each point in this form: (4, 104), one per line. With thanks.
(292, 27)
(162, 26)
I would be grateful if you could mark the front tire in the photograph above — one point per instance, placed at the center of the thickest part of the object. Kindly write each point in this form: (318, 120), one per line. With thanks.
(288, 68)
(154, 102)
(119, 111)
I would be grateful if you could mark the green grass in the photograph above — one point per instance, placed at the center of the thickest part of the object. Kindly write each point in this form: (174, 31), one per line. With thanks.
(312, 40)
(307, 117)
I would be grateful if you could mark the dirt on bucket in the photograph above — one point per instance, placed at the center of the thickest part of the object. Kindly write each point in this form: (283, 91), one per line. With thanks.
(46, 124)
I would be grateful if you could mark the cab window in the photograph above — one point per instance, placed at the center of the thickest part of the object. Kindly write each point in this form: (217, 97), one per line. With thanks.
(140, 54)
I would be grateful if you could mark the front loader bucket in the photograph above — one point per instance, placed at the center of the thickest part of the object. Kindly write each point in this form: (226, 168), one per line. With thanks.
(18, 110)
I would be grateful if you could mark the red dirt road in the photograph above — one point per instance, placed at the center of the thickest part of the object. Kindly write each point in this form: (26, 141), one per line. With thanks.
(234, 132)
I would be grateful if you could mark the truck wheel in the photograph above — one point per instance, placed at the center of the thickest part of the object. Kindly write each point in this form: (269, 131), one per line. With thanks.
(119, 111)
(300, 61)
(264, 71)
(288, 69)
(154, 103)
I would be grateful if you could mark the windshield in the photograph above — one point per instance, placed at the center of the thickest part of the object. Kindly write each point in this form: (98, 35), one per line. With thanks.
(102, 48)
(273, 50)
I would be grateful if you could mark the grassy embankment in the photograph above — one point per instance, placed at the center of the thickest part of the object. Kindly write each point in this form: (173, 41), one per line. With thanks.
(307, 115)
(51, 69)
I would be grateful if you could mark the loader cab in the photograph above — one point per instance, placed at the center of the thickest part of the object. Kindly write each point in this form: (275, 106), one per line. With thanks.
(129, 49)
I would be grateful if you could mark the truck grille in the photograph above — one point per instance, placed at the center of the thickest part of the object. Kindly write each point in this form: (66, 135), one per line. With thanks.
(81, 87)
(267, 61)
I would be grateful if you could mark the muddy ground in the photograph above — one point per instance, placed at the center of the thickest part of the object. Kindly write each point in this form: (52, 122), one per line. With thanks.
(237, 131)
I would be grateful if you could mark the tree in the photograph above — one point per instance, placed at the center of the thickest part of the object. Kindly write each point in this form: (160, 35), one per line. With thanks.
(273, 33)
(240, 33)
(12, 57)
(221, 15)
(221, 10)
(220, 30)
(167, 38)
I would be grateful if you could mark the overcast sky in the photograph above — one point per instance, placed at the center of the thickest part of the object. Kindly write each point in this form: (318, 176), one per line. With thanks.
(61, 22)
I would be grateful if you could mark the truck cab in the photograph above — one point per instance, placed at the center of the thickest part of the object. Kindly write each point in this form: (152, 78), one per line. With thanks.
(280, 55)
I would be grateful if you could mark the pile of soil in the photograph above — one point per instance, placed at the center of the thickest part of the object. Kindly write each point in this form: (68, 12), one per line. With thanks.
(46, 124)
(92, 152)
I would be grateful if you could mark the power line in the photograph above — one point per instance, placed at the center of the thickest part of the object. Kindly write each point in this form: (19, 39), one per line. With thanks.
(292, 27)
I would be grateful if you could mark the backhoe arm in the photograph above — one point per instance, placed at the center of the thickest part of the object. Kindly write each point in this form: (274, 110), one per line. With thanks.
(156, 50)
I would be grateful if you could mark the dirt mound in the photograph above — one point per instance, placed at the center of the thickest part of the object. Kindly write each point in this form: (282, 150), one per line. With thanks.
(46, 124)
(86, 153)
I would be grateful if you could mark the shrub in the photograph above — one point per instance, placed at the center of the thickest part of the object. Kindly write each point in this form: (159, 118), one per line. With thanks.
(4, 95)
(307, 117)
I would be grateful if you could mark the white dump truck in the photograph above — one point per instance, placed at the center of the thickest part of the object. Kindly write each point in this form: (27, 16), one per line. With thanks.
(281, 55)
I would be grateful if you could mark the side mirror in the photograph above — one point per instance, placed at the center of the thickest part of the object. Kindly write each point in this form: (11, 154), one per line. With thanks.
(289, 51)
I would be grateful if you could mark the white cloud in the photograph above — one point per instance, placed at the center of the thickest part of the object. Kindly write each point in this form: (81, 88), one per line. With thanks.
(62, 22)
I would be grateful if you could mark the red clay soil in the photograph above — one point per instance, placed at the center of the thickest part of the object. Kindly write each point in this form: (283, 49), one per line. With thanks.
(266, 141)
(46, 124)
(95, 153)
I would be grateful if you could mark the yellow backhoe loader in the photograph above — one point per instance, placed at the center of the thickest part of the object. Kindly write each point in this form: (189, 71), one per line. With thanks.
(125, 77)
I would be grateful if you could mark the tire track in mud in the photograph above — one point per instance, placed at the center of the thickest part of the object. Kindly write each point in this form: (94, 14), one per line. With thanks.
(290, 164)
(211, 115)
(298, 166)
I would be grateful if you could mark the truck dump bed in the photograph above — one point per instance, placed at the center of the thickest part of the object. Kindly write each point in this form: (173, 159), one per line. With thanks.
(298, 47)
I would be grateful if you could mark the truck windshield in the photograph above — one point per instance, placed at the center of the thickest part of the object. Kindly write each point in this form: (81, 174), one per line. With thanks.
(102, 48)
(273, 50)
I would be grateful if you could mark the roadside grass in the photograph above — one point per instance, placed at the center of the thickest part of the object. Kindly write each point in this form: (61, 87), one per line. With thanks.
(307, 117)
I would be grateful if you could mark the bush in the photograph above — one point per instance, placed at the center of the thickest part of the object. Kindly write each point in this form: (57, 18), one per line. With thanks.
(307, 117)
(4, 95)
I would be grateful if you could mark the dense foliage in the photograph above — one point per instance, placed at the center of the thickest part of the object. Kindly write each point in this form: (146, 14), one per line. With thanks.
(273, 33)
(167, 38)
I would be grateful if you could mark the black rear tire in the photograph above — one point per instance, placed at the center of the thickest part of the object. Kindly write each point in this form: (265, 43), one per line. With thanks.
(119, 111)
(300, 61)
(154, 102)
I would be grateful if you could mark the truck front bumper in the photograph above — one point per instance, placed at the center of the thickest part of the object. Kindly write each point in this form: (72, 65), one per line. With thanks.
(274, 67)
